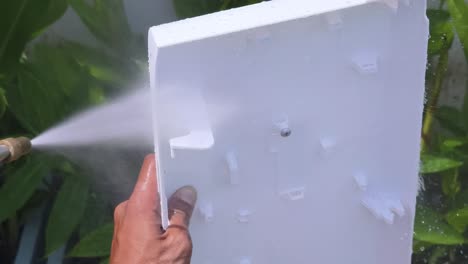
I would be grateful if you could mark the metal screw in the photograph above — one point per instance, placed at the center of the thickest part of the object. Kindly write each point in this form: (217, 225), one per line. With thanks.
(285, 132)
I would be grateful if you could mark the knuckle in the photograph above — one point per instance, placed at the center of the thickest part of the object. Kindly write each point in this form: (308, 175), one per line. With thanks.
(178, 236)
(179, 248)
(119, 210)
(183, 239)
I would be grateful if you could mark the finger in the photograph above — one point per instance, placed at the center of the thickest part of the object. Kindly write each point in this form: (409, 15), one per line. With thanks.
(146, 186)
(181, 206)
(144, 201)
(119, 213)
(144, 194)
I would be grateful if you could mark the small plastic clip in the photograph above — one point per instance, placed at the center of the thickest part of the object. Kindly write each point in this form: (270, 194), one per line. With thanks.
(243, 215)
(233, 168)
(366, 63)
(334, 20)
(293, 194)
(378, 208)
(207, 211)
(361, 181)
(327, 144)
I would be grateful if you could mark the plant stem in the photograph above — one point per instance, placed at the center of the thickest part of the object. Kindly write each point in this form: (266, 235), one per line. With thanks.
(433, 96)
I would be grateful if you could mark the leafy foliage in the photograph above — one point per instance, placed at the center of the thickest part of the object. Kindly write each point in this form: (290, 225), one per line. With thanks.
(459, 12)
(458, 219)
(451, 119)
(95, 244)
(430, 227)
(441, 33)
(3, 102)
(432, 164)
(107, 21)
(20, 185)
(20, 21)
(41, 84)
(442, 213)
(192, 8)
(97, 213)
(50, 80)
(66, 214)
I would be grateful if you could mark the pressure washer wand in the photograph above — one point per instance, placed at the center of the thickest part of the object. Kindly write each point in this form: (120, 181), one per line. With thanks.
(12, 149)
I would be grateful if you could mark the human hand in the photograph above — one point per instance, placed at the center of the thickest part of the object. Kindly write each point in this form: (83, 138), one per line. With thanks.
(138, 234)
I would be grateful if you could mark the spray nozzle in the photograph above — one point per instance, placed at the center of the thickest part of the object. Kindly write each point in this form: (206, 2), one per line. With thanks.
(12, 149)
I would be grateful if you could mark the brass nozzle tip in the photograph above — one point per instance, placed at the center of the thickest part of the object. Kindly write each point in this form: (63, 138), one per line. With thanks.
(18, 147)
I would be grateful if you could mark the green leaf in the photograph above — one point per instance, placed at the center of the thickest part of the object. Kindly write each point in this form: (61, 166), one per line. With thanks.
(453, 147)
(461, 200)
(429, 226)
(420, 246)
(3, 102)
(96, 214)
(22, 181)
(458, 219)
(20, 21)
(107, 21)
(452, 119)
(32, 104)
(37, 199)
(52, 12)
(437, 253)
(95, 244)
(465, 108)
(459, 11)
(105, 261)
(450, 183)
(193, 8)
(105, 67)
(433, 164)
(452, 143)
(67, 211)
(49, 87)
(441, 32)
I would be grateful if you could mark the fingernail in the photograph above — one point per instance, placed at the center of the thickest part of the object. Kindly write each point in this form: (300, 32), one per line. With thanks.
(149, 158)
(187, 194)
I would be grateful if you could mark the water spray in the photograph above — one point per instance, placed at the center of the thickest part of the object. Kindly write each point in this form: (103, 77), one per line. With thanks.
(12, 149)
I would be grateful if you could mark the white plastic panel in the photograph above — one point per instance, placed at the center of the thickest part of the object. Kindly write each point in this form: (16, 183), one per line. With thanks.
(303, 121)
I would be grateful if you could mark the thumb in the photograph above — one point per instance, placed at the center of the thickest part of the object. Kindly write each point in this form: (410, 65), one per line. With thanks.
(181, 205)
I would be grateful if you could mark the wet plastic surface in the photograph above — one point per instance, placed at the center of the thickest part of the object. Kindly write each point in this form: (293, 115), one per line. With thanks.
(283, 116)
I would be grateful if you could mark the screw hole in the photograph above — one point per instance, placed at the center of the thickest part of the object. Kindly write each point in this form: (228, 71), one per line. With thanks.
(285, 132)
